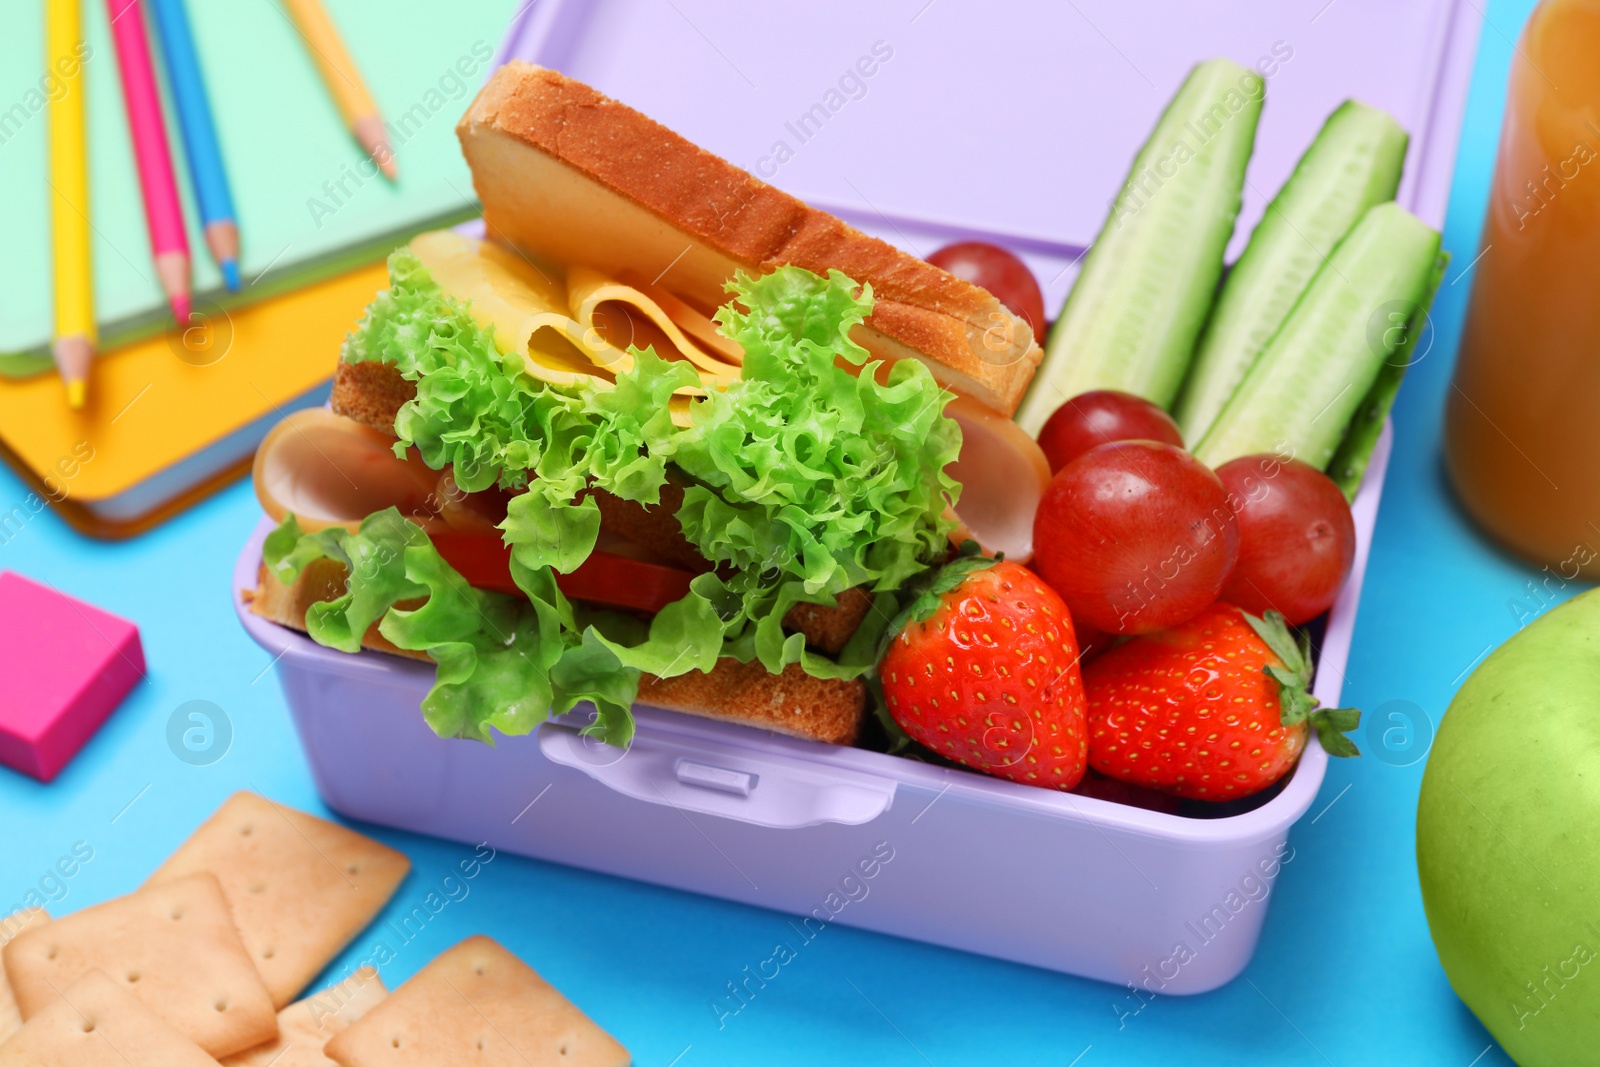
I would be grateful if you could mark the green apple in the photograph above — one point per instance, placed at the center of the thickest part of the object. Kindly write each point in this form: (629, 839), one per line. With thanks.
(1508, 839)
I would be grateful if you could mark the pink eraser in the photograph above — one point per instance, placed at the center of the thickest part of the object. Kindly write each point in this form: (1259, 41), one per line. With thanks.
(65, 665)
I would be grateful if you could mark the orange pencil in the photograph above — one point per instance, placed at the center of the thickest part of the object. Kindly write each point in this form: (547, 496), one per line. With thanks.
(343, 79)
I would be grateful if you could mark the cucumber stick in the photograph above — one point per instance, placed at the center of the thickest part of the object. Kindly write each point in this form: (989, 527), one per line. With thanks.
(1148, 280)
(1300, 394)
(1353, 164)
(1349, 463)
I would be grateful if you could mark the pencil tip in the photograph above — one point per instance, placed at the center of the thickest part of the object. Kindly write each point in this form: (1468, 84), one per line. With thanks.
(73, 355)
(374, 139)
(172, 268)
(230, 274)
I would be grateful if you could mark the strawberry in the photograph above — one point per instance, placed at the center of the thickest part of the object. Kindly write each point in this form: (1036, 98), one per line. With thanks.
(1214, 709)
(986, 674)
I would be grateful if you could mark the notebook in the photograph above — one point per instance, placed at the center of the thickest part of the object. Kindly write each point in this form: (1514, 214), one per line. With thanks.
(306, 206)
(175, 414)
(171, 418)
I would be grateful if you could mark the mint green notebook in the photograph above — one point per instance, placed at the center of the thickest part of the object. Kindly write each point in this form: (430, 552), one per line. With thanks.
(306, 207)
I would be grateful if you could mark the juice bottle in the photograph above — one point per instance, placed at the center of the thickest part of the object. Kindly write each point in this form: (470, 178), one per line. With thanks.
(1522, 417)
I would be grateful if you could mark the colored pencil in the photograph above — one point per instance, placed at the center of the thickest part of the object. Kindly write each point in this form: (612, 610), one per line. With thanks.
(69, 201)
(206, 172)
(343, 78)
(163, 211)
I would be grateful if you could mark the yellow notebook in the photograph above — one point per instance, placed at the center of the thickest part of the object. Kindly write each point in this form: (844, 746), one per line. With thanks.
(173, 418)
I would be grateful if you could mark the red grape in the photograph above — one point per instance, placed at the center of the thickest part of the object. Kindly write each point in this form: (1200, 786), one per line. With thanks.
(1297, 540)
(1007, 278)
(1136, 536)
(1091, 419)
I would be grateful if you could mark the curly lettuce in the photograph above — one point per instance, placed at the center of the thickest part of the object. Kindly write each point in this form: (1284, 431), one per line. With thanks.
(503, 662)
(817, 471)
(811, 478)
(824, 472)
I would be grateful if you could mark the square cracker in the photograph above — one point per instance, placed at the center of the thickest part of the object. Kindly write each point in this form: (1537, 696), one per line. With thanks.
(10, 927)
(173, 946)
(306, 1025)
(300, 887)
(478, 1004)
(98, 1023)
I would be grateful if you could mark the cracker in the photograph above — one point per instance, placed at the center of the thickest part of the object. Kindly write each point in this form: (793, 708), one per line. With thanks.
(477, 1004)
(10, 927)
(305, 1026)
(300, 887)
(96, 1022)
(173, 946)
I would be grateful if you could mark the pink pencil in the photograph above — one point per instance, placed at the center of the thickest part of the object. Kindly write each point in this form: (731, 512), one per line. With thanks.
(163, 211)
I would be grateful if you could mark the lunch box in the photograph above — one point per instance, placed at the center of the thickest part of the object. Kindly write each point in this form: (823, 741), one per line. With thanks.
(843, 835)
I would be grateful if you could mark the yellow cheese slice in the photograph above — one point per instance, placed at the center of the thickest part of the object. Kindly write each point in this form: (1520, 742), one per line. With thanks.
(525, 304)
(681, 409)
(690, 319)
(528, 306)
(587, 290)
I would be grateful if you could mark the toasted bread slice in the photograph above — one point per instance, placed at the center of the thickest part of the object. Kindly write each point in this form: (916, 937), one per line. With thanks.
(655, 527)
(371, 393)
(829, 627)
(570, 176)
(793, 703)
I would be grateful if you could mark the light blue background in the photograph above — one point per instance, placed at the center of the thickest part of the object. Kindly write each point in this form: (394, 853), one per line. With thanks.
(1345, 973)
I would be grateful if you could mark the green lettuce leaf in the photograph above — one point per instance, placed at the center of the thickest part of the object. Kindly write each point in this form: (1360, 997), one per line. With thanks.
(545, 535)
(288, 551)
(374, 559)
(504, 663)
(808, 471)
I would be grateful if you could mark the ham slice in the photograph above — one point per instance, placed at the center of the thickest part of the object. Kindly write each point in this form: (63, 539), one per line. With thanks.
(1003, 474)
(333, 471)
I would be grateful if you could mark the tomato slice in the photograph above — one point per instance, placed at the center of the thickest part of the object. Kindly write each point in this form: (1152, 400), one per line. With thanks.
(604, 578)
(624, 582)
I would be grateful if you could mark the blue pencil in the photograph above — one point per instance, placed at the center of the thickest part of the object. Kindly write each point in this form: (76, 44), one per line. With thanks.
(199, 135)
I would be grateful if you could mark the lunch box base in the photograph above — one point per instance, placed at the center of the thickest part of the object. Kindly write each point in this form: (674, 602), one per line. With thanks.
(939, 862)
(821, 833)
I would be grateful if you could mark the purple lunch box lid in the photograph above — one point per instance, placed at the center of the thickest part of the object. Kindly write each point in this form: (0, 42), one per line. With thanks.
(1017, 126)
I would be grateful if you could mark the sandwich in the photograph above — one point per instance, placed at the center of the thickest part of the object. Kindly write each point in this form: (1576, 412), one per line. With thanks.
(660, 434)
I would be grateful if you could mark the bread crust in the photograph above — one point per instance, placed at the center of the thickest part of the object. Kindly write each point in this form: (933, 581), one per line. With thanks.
(829, 627)
(655, 527)
(961, 332)
(793, 702)
(370, 393)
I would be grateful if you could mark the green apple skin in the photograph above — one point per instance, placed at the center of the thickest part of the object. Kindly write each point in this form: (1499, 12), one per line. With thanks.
(1508, 839)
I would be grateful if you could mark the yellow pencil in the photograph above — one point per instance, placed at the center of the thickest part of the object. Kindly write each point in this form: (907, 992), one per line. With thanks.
(343, 79)
(75, 337)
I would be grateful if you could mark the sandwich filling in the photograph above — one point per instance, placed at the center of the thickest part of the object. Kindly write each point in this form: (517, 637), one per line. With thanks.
(805, 469)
